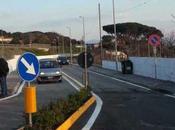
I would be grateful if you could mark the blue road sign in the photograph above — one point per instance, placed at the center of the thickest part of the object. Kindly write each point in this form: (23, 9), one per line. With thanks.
(28, 67)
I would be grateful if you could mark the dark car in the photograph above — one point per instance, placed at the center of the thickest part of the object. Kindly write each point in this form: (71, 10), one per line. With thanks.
(49, 71)
(62, 60)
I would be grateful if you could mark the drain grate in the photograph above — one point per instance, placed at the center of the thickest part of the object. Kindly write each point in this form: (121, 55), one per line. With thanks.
(164, 91)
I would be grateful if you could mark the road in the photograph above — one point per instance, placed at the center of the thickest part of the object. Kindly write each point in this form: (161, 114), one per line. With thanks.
(126, 107)
(11, 111)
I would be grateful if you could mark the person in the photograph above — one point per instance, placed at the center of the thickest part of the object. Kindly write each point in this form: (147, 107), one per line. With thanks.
(4, 69)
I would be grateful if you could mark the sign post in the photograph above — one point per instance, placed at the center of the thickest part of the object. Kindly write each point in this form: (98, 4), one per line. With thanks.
(85, 60)
(154, 40)
(28, 69)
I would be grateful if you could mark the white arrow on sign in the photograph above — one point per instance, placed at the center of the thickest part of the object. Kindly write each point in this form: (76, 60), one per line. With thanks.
(30, 68)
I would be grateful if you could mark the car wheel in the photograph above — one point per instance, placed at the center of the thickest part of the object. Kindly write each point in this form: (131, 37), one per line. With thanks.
(38, 82)
(60, 81)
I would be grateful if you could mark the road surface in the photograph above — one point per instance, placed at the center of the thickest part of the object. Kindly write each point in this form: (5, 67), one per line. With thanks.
(11, 111)
(126, 107)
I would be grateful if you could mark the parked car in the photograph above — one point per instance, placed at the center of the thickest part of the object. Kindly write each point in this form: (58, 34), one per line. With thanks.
(49, 71)
(62, 60)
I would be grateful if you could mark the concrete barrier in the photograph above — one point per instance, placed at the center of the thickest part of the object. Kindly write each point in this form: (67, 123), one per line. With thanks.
(162, 68)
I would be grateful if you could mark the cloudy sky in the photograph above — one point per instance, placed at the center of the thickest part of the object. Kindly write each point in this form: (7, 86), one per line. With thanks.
(56, 15)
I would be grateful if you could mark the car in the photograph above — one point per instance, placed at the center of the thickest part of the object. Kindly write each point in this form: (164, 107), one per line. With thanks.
(62, 60)
(49, 71)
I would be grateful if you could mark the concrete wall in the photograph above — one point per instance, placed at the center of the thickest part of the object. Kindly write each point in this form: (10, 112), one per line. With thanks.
(145, 66)
(109, 64)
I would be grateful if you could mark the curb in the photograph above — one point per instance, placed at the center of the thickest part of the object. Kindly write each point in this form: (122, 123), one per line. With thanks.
(76, 115)
(19, 90)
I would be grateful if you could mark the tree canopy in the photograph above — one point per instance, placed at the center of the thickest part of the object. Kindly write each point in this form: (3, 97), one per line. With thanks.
(132, 29)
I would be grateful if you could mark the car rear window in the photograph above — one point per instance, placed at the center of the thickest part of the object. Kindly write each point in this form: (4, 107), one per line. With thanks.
(48, 64)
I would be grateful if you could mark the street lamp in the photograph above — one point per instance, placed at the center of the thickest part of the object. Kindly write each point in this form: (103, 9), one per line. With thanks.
(115, 33)
(100, 34)
(69, 28)
(85, 51)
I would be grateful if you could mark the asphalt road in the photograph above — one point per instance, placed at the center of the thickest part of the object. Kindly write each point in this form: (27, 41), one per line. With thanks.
(126, 107)
(12, 111)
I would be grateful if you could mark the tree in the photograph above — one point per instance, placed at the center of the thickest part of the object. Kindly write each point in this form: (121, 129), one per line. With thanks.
(132, 29)
(131, 37)
(169, 39)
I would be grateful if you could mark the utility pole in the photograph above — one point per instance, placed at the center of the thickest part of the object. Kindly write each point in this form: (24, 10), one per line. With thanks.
(100, 34)
(85, 50)
(69, 28)
(115, 33)
(63, 44)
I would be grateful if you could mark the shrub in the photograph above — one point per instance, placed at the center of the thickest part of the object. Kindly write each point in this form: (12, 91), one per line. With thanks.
(51, 116)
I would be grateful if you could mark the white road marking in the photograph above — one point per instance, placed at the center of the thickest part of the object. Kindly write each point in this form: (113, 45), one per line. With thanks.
(95, 114)
(126, 82)
(98, 107)
(16, 94)
(77, 82)
(119, 80)
(172, 96)
(71, 83)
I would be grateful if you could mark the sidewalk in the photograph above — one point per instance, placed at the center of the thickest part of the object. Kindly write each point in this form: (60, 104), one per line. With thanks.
(155, 84)
(13, 81)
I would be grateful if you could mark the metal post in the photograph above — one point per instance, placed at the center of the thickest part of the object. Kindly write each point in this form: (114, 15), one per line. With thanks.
(63, 43)
(70, 45)
(30, 114)
(155, 61)
(148, 50)
(100, 34)
(115, 33)
(85, 50)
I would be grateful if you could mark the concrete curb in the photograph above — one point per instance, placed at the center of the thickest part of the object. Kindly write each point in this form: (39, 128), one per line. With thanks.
(19, 90)
(76, 115)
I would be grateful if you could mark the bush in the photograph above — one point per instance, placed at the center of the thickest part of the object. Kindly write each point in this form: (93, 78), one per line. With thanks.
(51, 116)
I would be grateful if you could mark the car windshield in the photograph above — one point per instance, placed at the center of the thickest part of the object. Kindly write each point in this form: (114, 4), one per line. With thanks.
(48, 64)
(62, 58)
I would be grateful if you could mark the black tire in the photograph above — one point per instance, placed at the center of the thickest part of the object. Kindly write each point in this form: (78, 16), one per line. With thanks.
(38, 82)
(60, 81)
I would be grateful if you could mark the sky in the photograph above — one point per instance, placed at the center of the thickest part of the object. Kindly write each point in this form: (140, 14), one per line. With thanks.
(57, 15)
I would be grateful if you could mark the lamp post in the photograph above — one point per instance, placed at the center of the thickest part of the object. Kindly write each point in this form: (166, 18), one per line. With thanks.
(85, 50)
(100, 32)
(115, 33)
(70, 31)
(63, 44)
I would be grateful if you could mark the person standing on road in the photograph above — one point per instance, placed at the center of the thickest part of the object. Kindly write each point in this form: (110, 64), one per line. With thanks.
(4, 69)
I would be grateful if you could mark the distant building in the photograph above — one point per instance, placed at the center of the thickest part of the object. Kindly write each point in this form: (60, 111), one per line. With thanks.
(6, 39)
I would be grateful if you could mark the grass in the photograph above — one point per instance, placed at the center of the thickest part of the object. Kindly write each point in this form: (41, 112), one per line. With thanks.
(51, 116)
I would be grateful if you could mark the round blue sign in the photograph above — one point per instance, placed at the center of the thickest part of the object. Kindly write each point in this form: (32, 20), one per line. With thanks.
(28, 66)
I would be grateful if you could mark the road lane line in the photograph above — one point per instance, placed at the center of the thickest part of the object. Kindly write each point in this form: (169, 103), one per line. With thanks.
(123, 81)
(136, 85)
(71, 83)
(95, 114)
(99, 103)
(172, 96)
(76, 81)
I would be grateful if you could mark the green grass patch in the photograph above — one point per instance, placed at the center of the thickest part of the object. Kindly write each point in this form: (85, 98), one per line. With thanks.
(53, 115)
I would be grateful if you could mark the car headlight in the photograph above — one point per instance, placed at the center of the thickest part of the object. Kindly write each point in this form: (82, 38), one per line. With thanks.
(42, 73)
(59, 60)
(57, 72)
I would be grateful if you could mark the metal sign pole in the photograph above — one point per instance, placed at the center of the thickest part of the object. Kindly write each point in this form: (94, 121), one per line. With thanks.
(155, 60)
(30, 114)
